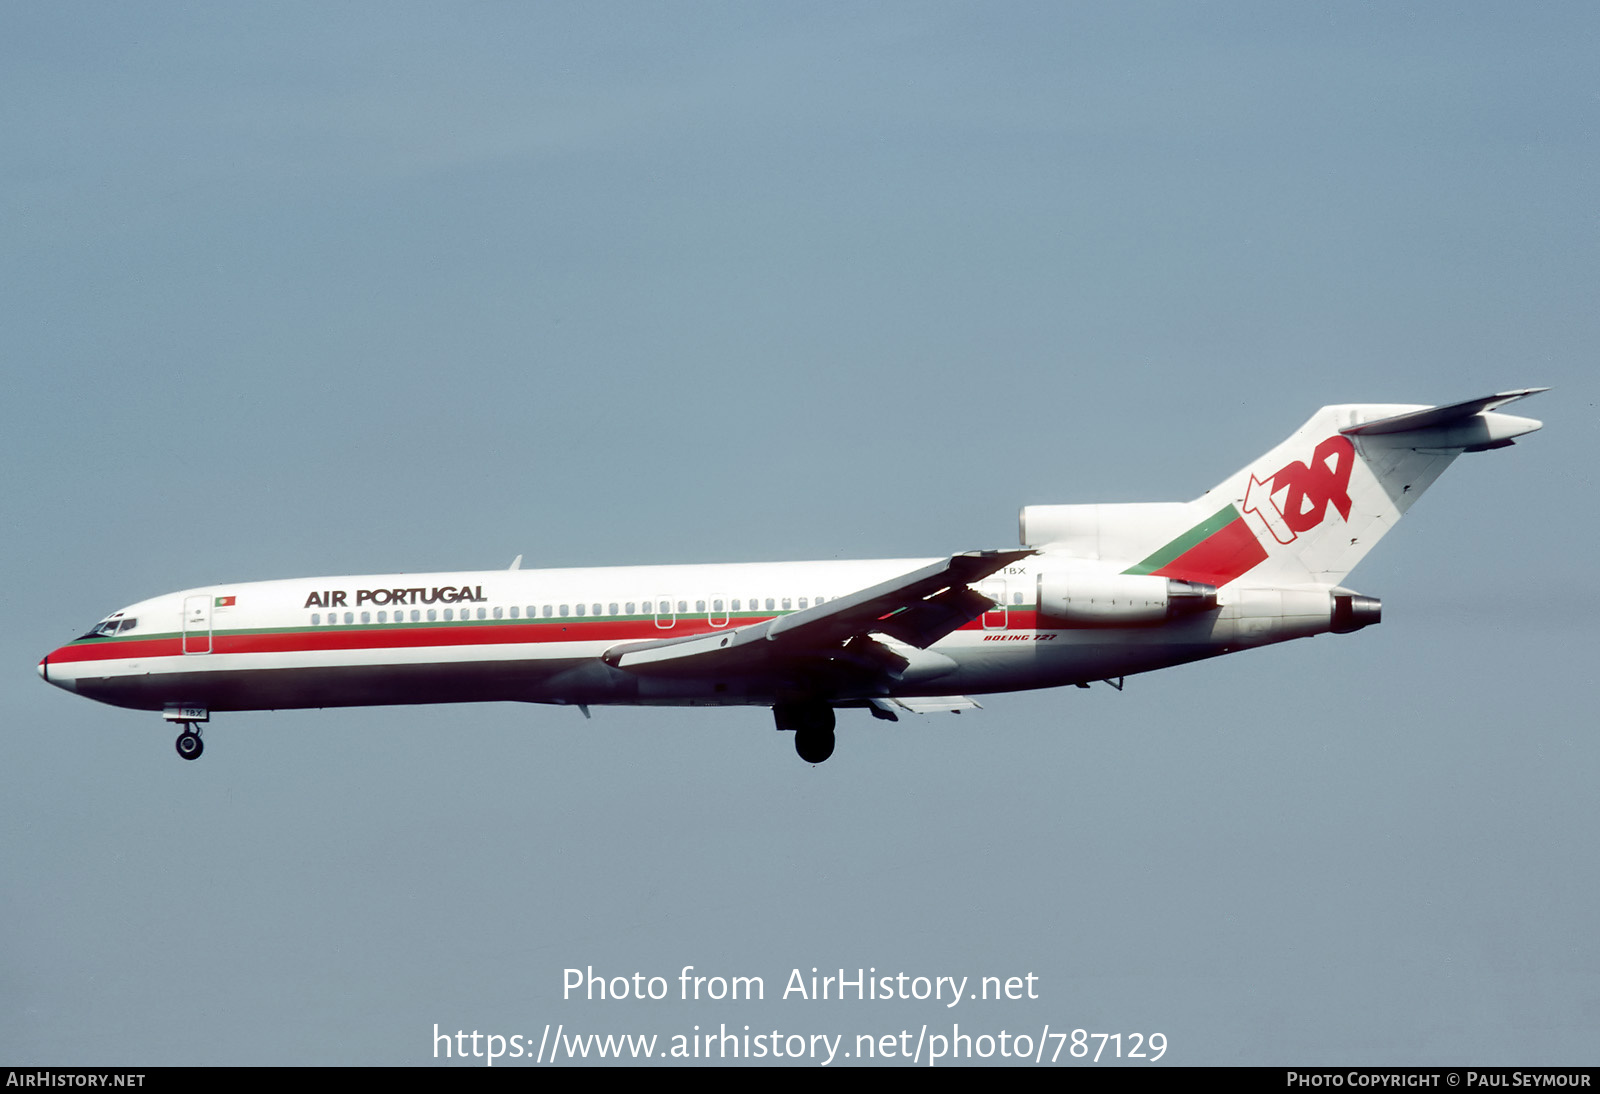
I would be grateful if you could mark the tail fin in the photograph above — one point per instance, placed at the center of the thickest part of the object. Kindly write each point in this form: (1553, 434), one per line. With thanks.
(1306, 512)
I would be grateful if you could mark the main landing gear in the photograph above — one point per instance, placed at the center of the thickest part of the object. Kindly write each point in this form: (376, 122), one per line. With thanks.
(812, 724)
(188, 744)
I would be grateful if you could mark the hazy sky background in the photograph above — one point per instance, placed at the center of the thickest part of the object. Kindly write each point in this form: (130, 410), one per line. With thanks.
(299, 289)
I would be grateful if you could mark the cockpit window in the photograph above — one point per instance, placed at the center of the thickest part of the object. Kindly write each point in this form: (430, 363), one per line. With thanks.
(108, 627)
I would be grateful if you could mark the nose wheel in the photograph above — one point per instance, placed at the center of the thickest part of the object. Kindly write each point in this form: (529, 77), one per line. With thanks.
(188, 720)
(189, 745)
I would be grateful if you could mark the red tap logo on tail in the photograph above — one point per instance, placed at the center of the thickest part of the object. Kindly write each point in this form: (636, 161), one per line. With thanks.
(1295, 498)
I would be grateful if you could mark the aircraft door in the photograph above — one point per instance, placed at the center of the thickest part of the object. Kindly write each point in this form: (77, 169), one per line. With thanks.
(666, 618)
(718, 615)
(995, 618)
(197, 624)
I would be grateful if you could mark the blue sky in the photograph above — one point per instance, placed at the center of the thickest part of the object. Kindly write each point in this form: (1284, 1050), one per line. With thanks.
(315, 289)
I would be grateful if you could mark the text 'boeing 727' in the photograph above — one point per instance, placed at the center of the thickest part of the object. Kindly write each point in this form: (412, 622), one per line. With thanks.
(1096, 592)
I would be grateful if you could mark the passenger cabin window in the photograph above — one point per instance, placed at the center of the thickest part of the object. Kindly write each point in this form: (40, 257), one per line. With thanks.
(316, 619)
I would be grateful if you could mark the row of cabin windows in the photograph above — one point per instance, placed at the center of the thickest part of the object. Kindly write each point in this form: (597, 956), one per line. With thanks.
(563, 611)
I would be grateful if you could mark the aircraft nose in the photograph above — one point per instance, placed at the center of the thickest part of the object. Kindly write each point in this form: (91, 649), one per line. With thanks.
(60, 681)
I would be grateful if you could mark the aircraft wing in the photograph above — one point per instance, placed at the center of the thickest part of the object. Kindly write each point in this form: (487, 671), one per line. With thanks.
(917, 608)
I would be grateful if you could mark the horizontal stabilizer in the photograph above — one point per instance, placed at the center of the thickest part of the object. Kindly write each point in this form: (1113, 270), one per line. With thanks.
(1436, 416)
(1472, 426)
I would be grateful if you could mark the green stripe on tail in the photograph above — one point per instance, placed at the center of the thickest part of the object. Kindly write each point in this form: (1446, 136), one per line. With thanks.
(1177, 547)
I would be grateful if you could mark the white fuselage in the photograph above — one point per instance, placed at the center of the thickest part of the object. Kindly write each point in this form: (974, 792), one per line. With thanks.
(539, 636)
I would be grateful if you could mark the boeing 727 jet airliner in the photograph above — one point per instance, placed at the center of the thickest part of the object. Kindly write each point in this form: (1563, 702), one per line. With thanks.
(1096, 592)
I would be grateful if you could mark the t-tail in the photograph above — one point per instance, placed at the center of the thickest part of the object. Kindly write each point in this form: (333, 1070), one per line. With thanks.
(1301, 515)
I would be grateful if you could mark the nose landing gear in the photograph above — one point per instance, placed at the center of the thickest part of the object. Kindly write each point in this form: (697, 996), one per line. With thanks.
(188, 744)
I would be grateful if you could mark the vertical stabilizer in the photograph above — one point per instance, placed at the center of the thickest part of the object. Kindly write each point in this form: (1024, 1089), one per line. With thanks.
(1312, 507)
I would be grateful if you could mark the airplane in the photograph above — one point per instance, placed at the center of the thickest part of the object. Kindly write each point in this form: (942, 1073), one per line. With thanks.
(1095, 593)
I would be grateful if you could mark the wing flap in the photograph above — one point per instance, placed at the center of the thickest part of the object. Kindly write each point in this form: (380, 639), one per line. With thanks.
(936, 704)
(924, 623)
(719, 648)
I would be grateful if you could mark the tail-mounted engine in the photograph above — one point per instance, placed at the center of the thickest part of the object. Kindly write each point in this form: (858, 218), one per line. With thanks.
(1352, 612)
(1120, 600)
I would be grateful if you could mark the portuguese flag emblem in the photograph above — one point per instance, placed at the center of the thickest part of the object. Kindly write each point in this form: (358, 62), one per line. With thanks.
(224, 602)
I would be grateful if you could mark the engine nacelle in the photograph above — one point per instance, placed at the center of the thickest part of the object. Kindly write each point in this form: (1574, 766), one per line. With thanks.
(1125, 531)
(1120, 600)
(1351, 612)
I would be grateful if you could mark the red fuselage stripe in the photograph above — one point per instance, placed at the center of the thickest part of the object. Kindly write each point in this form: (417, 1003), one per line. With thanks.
(408, 637)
